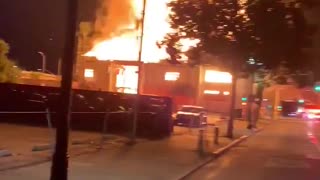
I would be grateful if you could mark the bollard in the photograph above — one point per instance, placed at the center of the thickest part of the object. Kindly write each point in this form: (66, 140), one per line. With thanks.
(50, 126)
(105, 122)
(201, 141)
(216, 135)
(104, 127)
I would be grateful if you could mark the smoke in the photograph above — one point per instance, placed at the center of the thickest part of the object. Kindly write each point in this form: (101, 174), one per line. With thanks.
(113, 17)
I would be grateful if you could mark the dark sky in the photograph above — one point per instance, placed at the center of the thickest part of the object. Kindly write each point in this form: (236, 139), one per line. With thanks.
(30, 26)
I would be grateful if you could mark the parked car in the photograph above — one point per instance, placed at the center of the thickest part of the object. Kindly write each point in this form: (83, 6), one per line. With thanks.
(191, 116)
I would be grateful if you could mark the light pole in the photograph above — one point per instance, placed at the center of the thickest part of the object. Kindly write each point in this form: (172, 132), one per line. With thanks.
(44, 61)
(136, 105)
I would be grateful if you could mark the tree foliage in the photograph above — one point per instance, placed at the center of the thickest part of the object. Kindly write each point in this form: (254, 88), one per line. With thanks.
(9, 72)
(219, 25)
(270, 31)
(283, 30)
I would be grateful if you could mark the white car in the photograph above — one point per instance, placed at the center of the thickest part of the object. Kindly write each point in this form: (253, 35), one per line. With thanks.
(191, 116)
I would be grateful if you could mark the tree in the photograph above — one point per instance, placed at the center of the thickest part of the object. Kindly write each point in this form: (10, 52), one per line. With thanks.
(285, 34)
(283, 30)
(9, 72)
(223, 29)
(218, 25)
(268, 31)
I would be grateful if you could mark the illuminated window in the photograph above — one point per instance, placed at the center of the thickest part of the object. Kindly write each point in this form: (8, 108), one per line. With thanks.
(226, 93)
(127, 80)
(218, 77)
(211, 92)
(172, 76)
(89, 73)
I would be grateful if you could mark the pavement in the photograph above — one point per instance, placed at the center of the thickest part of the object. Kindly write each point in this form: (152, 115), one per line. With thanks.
(287, 150)
(19, 139)
(169, 158)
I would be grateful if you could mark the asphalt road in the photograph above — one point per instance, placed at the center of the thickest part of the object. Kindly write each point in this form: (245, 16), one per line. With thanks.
(285, 150)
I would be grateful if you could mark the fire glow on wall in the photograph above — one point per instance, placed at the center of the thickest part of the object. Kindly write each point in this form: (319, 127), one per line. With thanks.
(212, 76)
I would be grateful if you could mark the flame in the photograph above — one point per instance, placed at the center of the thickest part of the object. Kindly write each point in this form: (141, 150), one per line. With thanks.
(125, 45)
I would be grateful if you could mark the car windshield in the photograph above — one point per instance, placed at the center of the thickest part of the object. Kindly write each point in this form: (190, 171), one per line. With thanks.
(191, 109)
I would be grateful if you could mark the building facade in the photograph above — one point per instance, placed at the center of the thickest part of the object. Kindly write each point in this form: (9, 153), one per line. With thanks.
(202, 85)
(199, 85)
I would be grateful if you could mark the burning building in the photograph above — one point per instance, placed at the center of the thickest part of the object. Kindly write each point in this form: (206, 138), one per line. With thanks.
(108, 57)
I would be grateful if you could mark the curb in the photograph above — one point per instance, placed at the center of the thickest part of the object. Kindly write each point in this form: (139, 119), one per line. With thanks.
(42, 147)
(218, 153)
(5, 153)
(223, 150)
(196, 168)
(26, 164)
(213, 157)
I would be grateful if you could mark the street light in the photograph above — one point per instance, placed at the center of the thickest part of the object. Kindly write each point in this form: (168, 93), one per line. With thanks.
(44, 61)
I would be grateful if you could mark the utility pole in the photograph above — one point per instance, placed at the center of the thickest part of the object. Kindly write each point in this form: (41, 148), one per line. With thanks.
(59, 169)
(137, 99)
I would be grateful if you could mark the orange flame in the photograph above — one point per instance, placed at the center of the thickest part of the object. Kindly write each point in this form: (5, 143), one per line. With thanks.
(125, 45)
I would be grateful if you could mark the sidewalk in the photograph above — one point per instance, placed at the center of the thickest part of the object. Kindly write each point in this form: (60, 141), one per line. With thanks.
(20, 139)
(167, 159)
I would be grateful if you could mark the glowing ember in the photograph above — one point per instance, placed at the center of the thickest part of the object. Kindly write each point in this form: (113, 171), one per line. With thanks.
(122, 43)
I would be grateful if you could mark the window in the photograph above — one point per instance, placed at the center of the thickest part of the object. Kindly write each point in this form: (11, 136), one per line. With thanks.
(172, 76)
(127, 79)
(211, 92)
(89, 73)
(226, 93)
(218, 77)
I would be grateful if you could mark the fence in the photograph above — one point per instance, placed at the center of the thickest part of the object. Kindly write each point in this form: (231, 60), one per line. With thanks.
(27, 104)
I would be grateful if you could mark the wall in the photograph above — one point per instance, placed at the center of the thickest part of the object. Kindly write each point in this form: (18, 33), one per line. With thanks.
(183, 90)
(100, 81)
(187, 89)
(219, 103)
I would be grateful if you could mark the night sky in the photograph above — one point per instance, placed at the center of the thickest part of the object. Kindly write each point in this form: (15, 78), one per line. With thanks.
(30, 26)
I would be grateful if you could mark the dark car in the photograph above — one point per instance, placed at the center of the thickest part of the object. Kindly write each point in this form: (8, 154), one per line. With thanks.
(191, 116)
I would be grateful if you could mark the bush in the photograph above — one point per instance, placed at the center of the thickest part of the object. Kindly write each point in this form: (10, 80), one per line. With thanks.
(9, 72)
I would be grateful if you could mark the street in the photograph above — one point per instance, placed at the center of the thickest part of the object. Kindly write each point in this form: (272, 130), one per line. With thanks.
(286, 150)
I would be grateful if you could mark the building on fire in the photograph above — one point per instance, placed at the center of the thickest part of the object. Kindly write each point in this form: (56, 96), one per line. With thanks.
(201, 85)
